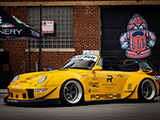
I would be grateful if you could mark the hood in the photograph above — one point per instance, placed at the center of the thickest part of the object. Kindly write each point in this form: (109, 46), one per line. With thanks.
(33, 78)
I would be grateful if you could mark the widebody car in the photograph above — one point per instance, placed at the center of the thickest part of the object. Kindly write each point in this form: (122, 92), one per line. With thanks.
(83, 78)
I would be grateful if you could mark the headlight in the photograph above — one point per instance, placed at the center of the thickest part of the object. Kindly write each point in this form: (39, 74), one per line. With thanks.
(15, 78)
(42, 79)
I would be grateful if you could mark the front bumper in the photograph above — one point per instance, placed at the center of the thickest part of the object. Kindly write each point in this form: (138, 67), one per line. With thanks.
(32, 102)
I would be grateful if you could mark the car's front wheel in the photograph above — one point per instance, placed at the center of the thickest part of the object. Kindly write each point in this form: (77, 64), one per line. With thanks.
(71, 92)
(146, 90)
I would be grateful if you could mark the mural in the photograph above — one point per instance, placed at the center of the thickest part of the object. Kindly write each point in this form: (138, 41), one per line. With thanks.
(138, 40)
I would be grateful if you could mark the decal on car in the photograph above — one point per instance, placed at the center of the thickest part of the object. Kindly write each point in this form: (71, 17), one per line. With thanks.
(109, 78)
(105, 96)
(129, 86)
(94, 84)
(93, 91)
(87, 57)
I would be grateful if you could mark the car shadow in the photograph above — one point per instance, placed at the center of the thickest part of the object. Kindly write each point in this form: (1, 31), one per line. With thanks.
(123, 101)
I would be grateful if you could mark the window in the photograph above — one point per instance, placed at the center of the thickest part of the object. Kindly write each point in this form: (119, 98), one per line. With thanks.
(62, 16)
(100, 62)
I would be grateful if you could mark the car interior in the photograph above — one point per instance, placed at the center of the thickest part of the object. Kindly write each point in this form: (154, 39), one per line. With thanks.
(113, 64)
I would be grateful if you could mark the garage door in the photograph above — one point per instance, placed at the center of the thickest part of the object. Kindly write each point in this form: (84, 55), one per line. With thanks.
(114, 22)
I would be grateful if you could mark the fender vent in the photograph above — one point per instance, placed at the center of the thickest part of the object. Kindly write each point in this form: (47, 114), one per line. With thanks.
(30, 93)
(12, 95)
(24, 95)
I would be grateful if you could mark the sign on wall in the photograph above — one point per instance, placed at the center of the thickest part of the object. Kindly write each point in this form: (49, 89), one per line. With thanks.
(93, 52)
(138, 40)
(48, 27)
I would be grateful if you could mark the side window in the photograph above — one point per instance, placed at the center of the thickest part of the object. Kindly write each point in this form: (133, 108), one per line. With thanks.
(105, 64)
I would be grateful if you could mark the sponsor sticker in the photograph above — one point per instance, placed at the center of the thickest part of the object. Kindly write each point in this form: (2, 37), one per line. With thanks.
(87, 57)
(14, 101)
(105, 96)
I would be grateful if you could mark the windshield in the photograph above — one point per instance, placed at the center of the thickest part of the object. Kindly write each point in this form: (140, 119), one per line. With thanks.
(81, 62)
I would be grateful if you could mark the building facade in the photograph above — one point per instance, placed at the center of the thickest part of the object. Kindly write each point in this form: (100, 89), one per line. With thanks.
(81, 25)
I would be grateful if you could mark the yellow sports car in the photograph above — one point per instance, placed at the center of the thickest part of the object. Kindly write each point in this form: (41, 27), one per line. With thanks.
(83, 78)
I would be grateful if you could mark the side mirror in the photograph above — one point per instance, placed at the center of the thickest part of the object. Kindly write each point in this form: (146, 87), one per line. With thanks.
(96, 68)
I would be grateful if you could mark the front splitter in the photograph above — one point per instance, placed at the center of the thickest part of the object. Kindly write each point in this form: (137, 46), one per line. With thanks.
(32, 102)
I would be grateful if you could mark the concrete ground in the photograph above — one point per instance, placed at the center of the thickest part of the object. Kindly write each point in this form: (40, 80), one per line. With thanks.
(108, 110)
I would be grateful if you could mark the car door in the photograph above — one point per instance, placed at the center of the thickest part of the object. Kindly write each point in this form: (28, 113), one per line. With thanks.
(106, 84)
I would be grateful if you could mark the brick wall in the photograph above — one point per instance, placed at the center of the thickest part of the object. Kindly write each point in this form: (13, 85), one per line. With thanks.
(16, 47)
(86, 28)
(60, 0)
(86, 37)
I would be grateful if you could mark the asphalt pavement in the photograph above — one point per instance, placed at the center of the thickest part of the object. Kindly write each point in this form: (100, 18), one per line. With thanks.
(108, 110)
(3, 91)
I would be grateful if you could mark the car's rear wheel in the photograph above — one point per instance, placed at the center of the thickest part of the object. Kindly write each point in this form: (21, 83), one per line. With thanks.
(71, 93)
(146, 90)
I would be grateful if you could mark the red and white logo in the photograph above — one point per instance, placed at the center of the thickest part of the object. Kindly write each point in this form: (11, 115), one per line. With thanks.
(138, 39)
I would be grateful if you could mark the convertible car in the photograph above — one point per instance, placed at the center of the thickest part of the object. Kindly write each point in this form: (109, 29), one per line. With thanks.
(83, 78)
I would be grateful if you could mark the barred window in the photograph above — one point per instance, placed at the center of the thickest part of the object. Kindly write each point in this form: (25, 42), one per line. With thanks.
(62, 16)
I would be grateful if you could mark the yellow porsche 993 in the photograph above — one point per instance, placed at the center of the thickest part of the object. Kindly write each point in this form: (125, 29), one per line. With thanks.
(83, 78)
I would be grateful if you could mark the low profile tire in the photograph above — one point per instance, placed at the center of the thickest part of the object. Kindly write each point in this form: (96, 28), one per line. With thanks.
(71, 93)
(146, 90)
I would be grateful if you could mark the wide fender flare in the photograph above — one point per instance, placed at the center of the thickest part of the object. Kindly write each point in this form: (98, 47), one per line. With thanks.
(132, 84)
(58, 80)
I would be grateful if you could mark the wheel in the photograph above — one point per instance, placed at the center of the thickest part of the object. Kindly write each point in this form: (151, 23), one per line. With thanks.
(71, 93)
(146, 90)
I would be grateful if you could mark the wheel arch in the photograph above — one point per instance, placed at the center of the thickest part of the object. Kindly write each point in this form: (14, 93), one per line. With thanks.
(155, 83)
(79, 81)
(150, 81)
(70, 79)
(130, 89)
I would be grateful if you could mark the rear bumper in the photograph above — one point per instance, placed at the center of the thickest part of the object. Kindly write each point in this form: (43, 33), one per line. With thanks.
(32, 102)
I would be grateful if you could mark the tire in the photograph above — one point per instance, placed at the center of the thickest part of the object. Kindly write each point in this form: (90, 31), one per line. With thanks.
(146, 90)
(71, 93)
